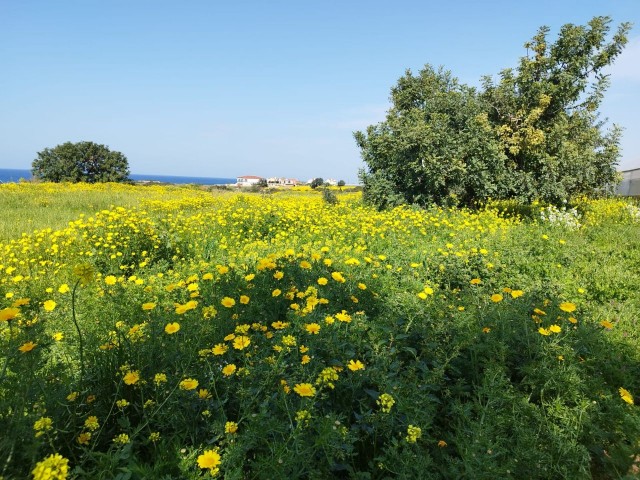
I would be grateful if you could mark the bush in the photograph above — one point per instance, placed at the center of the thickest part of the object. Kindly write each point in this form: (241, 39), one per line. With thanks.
(329, 197)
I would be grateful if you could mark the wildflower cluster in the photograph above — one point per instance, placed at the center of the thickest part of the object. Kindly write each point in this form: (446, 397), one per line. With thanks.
(633, 212)
(385, 402)
(563, 217)
(54, 467)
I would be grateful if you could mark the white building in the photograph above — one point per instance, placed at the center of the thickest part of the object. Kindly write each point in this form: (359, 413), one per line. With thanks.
(248, 180)
(282, 182)
(325, 181)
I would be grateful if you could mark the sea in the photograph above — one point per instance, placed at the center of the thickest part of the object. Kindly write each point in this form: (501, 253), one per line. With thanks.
(11, 175)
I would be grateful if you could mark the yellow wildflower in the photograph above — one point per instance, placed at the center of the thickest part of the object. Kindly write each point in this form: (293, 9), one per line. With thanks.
(568, 307)
(91, 423)
(54, 467)
(229, 370)
(337, 276)
(7, 314)
(385, 402)
(131, 378)
(228, 302)
(27, 347)
(626, 395)
(304, 389)
(413, 434)
(49, 305)
(121, 439)
(312, 328)
(241, 342)
(210, 459)
(355, 365)
(220, 349)
(172, 328)
(188, 384)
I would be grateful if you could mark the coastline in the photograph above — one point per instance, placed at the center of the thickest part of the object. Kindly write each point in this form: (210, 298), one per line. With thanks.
(15, 175)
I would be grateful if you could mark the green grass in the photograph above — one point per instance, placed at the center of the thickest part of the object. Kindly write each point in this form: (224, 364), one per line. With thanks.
(27, 207)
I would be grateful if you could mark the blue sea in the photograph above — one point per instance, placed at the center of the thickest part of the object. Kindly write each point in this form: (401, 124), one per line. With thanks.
(10, 175)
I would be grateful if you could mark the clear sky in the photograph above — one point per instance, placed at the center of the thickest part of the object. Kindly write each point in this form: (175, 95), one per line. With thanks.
(269, 88)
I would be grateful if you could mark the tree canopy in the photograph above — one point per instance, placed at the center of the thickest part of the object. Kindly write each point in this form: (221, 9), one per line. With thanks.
(535, 133)
(80, 162)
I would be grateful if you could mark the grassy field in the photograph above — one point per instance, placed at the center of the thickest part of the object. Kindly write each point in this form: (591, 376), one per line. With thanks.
(31, 206)
(167, 332)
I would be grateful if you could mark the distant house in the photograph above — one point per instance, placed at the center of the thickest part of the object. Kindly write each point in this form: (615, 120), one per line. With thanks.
(325, 181)
(248, 180)
(282, 182)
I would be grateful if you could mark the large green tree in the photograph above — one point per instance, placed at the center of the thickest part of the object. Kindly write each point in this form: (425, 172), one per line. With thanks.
(533, 134)
(436, 145)
(80, 162)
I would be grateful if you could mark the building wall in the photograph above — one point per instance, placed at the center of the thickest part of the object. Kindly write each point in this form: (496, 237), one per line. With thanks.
(630, 185)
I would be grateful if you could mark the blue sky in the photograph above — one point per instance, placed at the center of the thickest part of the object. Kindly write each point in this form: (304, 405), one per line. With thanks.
(270, 88)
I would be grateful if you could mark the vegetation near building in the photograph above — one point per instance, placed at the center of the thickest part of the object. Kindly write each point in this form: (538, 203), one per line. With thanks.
(317, 182)
(80, 162)
(533, 134)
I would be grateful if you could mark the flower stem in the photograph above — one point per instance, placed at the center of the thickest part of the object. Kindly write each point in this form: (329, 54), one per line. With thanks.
(75, 322)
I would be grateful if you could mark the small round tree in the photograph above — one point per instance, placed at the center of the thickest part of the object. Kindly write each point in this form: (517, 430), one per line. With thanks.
(80, 162)
(317, 182)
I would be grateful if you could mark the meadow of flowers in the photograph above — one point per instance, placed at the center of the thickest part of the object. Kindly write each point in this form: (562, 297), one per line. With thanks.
(189, 334)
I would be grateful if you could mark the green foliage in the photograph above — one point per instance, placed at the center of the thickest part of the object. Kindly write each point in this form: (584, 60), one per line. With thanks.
(329, 197)
(80, 162)
(436, 145)
(545, 113)
(533, 135)
(317, 182)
